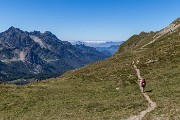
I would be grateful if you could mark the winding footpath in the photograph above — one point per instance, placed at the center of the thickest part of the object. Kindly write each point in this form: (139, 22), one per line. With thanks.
(151, 104)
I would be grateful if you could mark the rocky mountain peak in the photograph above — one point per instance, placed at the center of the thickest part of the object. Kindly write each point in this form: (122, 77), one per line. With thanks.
(13, 30)
(35, 32)
(48, 33)
(12, 27)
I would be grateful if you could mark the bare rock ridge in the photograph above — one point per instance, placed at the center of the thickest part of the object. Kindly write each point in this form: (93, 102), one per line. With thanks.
(169, 29)
(144, 39)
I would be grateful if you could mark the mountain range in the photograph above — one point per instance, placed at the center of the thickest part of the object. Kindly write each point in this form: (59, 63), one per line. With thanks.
(108, 48)
(26, 55)
(98, 43)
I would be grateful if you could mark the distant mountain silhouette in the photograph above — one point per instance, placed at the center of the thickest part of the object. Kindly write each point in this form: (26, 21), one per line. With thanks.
(108, 48)
(97, 43)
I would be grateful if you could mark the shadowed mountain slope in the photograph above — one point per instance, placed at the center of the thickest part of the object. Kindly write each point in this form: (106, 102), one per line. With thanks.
(37, 55)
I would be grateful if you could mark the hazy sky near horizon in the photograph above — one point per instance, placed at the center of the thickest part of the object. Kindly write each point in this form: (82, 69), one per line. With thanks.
(110, 20)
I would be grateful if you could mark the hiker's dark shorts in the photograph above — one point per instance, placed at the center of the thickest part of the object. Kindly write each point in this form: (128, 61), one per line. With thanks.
(143, 85)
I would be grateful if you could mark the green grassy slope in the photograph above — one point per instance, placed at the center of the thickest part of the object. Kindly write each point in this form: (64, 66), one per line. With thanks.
(90, 92)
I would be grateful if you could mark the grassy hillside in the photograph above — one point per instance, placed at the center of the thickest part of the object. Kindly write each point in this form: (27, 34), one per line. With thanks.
(91, 92)
(76, 95)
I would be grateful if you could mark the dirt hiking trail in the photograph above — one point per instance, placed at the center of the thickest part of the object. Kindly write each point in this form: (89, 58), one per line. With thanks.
(151, 104)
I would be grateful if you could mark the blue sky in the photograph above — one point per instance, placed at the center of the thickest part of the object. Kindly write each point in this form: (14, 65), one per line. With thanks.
(110, 20)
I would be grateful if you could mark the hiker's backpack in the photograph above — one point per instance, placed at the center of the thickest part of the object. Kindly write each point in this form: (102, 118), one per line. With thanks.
(143, 82)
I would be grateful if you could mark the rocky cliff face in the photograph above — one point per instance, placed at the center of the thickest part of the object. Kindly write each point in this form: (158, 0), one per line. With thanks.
(42, 55)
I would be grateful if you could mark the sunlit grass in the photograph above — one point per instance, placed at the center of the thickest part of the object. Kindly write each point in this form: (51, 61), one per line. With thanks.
(90, 92)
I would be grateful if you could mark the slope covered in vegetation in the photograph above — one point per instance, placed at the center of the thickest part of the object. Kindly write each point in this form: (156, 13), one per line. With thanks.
(106, 89)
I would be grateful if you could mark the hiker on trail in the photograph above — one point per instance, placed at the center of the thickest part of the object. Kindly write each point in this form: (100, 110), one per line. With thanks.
(142, 84)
